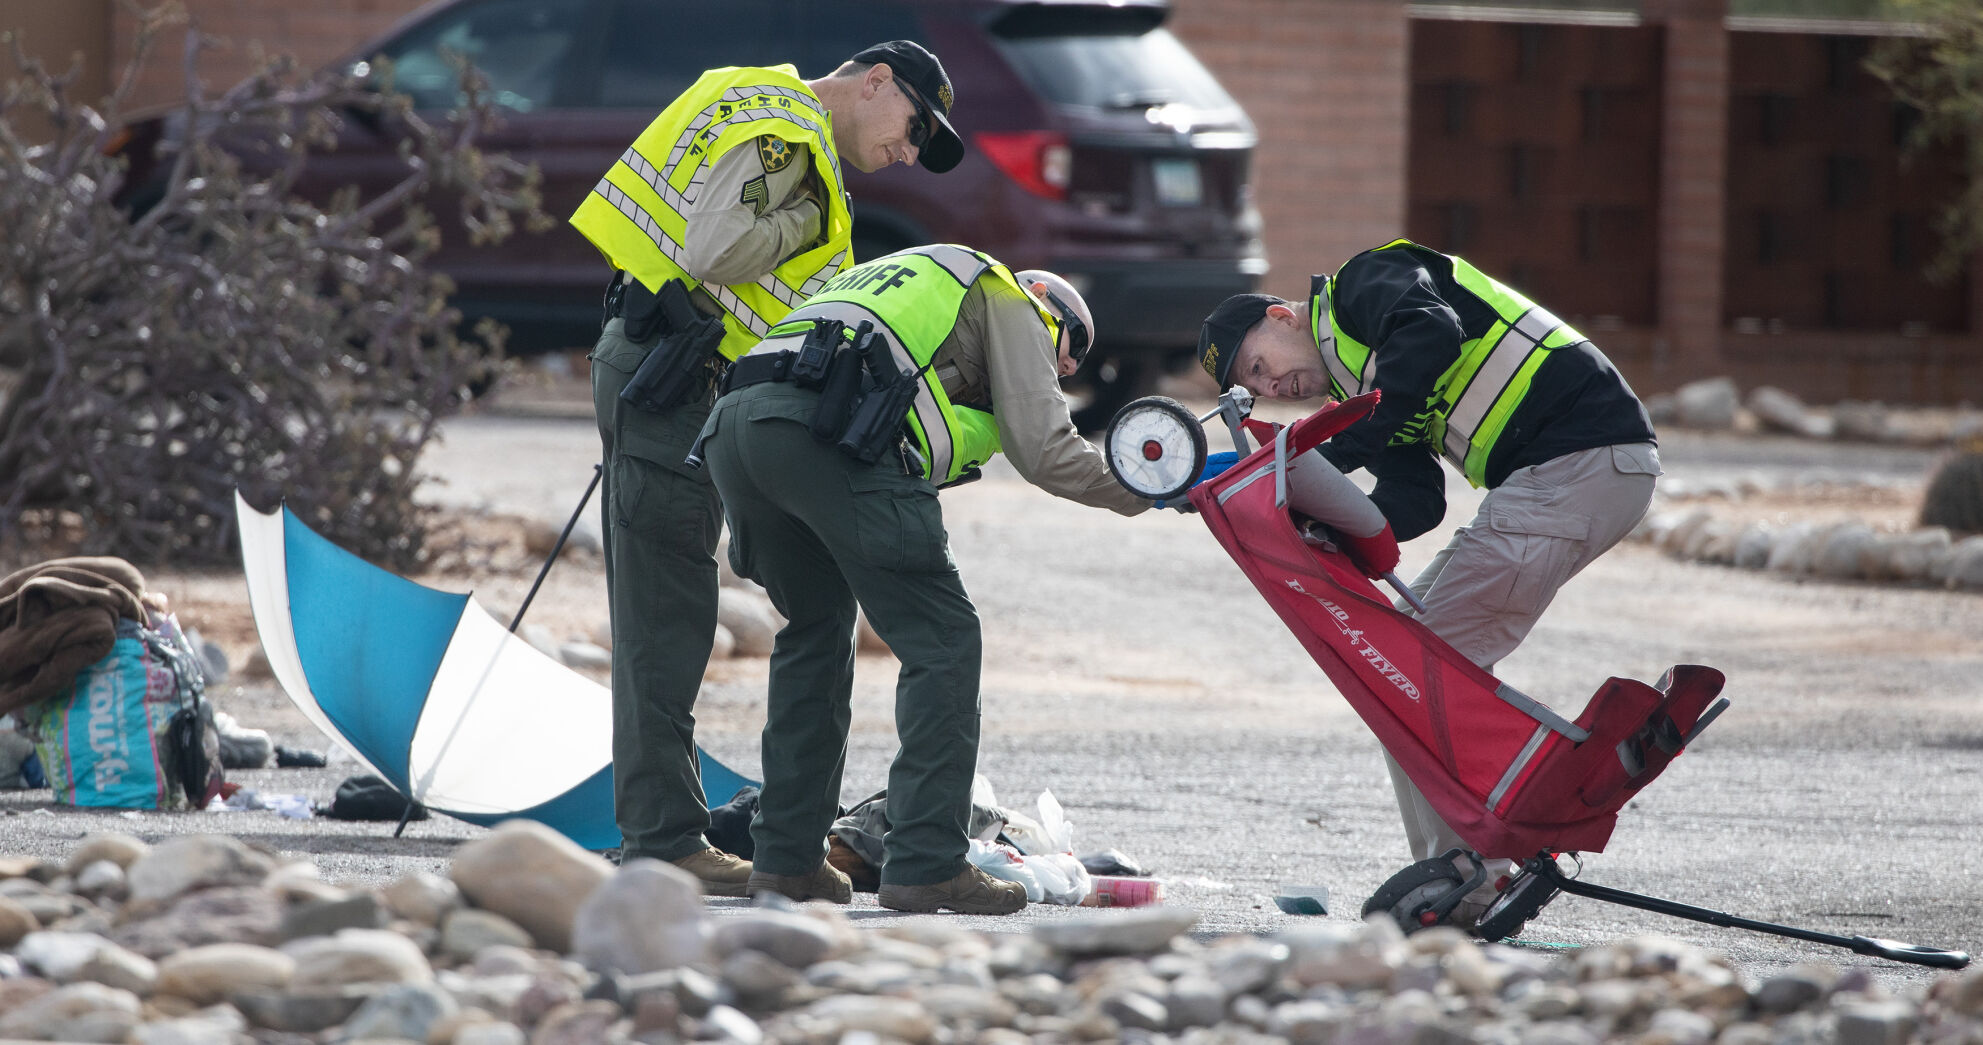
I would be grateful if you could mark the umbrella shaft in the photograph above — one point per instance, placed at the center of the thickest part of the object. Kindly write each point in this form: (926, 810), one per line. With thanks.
(597, 471)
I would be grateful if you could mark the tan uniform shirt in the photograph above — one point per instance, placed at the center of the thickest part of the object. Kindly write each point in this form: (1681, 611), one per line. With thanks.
(748, 219)
(1000, 354)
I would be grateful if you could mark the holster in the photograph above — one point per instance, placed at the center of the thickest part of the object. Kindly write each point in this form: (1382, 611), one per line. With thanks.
(875, 425)
(677, 366)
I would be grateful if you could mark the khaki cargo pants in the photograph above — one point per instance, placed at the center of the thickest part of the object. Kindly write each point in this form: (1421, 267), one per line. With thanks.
(1485, 590)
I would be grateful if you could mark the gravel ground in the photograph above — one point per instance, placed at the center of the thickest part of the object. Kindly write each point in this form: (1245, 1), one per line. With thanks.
(1131, 669)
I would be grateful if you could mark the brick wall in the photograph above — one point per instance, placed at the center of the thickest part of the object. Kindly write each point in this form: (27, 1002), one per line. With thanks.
(1326, 86)
(314, 31)
(1693, 180)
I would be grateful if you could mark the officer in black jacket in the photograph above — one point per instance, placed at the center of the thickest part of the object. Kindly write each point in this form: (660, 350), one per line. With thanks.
(1516, 400)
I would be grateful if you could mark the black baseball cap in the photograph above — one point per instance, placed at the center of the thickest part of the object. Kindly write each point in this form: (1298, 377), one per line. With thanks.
(916, 67)
(1225, 328)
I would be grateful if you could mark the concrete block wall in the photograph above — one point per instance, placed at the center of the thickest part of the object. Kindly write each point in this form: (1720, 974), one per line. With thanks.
(1326, 84)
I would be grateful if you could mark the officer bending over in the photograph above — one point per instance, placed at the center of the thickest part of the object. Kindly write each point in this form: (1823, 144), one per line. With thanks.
(727, 210)
(905, 374)
(1515, 399)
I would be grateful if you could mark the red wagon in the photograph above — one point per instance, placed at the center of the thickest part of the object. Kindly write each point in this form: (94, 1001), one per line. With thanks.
(1511, 777)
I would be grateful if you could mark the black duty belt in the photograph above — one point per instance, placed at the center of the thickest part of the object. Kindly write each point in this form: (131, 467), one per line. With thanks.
(758, 369)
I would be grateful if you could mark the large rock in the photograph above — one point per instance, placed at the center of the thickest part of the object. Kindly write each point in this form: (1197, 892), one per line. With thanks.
(78, 1012)
(1861, 421)
(899, 1019)
(1784, 412)
(422, 896)
(1839, 555)
(866, 639)
(233, 914)
(1710, 403)
(1136, 930)
(645, 918)
(1908, 556)
(120, 849)
(750, 620)
(358, 956)
(1963, 566)
(408, 1011)
(113, 966)
(531, 875)
(1752, 548)
(1794, 548)
(189, 862)
(59, 955)
(788, 936)
(1344, 955)
(469, 931)
(16, 922)
(204, 975)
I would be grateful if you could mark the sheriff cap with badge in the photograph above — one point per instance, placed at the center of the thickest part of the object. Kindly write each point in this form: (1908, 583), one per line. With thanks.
(1225, 328)
(914, 65)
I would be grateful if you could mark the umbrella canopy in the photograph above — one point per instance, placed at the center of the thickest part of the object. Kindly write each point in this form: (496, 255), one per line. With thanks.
(430, 692)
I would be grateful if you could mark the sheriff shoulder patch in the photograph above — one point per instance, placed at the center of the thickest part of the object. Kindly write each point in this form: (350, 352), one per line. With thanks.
(755, 196)
(775, 152)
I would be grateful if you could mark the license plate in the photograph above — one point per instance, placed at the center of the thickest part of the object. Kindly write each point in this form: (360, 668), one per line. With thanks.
(1178, 184)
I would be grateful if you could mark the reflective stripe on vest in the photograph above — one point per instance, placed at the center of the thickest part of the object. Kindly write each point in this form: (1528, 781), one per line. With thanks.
(1472, 401)
(637, 214)
(912, 297)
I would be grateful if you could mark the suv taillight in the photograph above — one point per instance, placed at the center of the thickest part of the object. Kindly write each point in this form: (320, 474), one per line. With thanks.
(1039, 161)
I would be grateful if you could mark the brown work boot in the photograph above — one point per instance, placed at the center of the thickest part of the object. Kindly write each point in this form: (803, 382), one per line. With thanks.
(971, 892)
(720, 873)
(824, 883)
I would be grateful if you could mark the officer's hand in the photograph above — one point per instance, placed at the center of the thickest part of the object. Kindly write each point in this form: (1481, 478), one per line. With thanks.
(1215, 466)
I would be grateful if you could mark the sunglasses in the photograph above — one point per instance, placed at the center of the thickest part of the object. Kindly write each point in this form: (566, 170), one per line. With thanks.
(1077, 331)
(920, 129)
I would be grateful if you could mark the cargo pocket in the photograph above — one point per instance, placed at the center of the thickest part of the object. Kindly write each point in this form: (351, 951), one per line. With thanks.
(1636, 459)
(898, 521)
(1542, 545)
(656, 496)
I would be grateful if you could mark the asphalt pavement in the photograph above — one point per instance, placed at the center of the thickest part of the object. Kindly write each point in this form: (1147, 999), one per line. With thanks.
(1131, 669)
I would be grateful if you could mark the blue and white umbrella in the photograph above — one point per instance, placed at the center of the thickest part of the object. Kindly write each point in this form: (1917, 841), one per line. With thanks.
(430, 692)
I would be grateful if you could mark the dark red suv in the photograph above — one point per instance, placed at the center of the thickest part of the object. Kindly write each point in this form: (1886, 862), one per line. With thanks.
(1097, 146)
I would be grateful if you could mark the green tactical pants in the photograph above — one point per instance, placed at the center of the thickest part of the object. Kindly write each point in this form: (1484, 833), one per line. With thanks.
(659, 521)
(820, 530)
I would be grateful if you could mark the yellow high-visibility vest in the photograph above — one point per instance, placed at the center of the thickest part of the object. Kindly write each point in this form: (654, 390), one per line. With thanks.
(637, 214)
(911, 298)
(1472, 401)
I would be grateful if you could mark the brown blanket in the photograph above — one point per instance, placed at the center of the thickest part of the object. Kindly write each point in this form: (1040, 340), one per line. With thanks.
(58, 618)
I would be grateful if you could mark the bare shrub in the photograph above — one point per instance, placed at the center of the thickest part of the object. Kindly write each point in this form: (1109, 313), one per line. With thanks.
(231, 335)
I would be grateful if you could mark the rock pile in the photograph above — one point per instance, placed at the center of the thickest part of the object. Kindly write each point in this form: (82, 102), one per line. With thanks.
(1716, 403)
(202, 939)
(1837, 550)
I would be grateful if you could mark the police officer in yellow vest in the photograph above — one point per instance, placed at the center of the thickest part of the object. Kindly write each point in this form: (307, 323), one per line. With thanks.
(905, 374)
(1514, 398)
(726, 212)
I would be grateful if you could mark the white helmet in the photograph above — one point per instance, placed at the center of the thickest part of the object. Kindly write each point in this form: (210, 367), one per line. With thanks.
(1066, 303)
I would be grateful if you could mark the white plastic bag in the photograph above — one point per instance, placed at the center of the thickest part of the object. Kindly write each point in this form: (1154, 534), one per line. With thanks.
(1055, 878)
(1062, 878)
(1051, 833)
(1003, 861)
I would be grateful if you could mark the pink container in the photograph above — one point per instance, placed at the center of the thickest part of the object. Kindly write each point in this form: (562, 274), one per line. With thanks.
(1123, 892)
